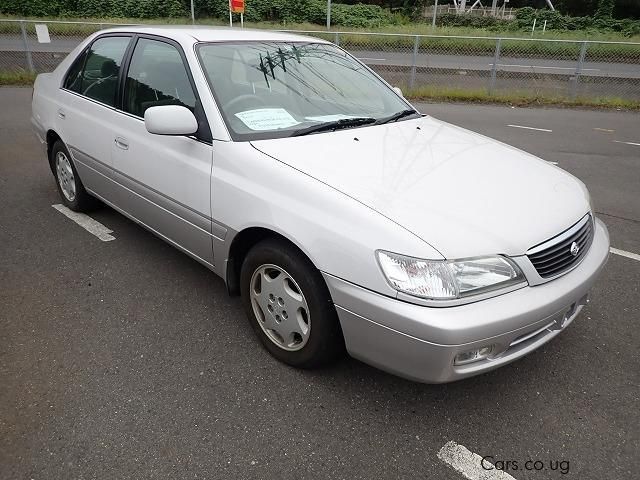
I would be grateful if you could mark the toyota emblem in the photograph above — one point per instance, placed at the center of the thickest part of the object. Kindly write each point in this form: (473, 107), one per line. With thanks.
(574, 249)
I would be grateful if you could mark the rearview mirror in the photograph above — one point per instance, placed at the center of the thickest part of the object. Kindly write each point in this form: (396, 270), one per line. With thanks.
(398, 91)
(170, 120)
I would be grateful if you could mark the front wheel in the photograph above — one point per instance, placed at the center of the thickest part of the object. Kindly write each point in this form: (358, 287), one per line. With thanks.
(289, 307)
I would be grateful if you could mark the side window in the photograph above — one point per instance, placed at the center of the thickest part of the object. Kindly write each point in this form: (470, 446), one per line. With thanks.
(73, 81)
(156, 76)
(99, 77)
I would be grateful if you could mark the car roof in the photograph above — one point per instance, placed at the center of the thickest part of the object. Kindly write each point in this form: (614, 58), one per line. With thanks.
(205, 33)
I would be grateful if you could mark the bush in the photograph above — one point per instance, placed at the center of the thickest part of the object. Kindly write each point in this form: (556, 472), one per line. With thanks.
(473, 21)
(281, 11)
(33, 8)
(557, 21)
(95, 8)
(314, 11)
(129, 8)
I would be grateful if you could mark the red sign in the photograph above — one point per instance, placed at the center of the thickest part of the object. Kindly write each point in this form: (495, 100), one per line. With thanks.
(237, 6)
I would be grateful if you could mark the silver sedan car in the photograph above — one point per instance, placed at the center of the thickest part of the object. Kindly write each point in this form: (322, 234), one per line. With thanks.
(345, 219)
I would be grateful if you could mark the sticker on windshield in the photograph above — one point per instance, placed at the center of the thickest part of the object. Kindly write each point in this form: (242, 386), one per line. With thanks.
(329, 118)
(267, 119)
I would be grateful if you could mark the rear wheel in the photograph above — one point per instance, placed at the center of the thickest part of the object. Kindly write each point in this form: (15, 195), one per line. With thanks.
(71, 190)
(289, 307)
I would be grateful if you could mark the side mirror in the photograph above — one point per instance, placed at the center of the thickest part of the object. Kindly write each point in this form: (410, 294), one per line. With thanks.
(398, 91)
(170, 120)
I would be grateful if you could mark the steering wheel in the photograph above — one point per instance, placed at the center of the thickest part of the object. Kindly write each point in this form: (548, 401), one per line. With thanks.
(242, 99)
(97, 82)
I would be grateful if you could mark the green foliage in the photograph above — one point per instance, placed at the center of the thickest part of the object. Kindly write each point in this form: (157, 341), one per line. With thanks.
(605, 9)
(95, 8)
(472, 21)
(557, 21)
(32, 7)
(133, 8)
(19, 78)
(280, 11)
(359, 15)
(352, 15)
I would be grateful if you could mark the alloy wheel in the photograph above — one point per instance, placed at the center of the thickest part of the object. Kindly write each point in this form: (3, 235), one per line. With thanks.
(280, 307)
(65, 175)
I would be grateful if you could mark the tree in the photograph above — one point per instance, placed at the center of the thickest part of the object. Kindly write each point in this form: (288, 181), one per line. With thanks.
(605, 9)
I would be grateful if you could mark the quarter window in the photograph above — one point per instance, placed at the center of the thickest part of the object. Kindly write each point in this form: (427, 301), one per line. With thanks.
(156, 76)
(73, 81)
(95, 73)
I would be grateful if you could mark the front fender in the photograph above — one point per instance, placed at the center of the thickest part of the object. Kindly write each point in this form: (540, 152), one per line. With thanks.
(337, 233)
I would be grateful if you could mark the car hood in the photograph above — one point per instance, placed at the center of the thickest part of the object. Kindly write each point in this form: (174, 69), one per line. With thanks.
(463, 193)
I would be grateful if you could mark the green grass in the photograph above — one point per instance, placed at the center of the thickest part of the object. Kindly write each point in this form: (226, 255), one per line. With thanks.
(21, 78)
(521, 99)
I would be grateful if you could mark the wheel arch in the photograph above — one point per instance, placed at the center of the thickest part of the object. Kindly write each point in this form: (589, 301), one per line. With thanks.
(51, 138)
(242, 242)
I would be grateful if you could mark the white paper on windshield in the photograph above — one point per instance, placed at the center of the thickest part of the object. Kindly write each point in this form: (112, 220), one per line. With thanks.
(267, 119)
(42, 32)
(329, 118)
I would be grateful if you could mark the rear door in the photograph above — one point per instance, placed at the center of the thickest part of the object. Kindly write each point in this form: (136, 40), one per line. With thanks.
(164, 181)
(88, 111)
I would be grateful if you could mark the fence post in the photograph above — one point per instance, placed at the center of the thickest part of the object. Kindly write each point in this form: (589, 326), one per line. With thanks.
(337, 39)
(26, 47)
(435, 13)
(573, 88)
(414, 61)
(494, 67)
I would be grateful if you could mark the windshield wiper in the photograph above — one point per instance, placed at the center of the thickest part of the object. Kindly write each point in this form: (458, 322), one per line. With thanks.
(397, 116)
(334, 125)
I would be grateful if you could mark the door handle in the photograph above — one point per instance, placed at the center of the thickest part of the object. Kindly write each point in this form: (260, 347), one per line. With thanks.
(121, 143)
(61, 114)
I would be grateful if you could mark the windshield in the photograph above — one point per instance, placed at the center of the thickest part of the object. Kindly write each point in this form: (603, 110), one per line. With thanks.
(277, 89)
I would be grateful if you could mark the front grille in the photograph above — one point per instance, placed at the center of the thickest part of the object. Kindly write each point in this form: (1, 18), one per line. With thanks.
(554, 256)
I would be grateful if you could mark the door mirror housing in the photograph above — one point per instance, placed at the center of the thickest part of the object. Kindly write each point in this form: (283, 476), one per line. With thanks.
(170, 120)
(398, 91)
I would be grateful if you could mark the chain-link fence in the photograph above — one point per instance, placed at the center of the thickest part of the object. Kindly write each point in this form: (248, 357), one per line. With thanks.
(558, 69)
(22, 49)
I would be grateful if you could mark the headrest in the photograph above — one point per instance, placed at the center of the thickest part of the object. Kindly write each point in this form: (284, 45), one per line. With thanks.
(109, 68)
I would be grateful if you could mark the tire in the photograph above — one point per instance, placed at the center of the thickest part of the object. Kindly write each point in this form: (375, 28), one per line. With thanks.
(299, 299)
(70, 187)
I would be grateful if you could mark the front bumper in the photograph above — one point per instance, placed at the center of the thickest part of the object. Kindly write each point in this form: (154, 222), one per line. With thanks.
(420, 343)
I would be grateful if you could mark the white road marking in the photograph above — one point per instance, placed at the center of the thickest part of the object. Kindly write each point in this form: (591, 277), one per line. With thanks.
(531, 128)
(603, 130)
(627, 143)
(469, 464)
(549, 68)
(89, 224)
(622, 253)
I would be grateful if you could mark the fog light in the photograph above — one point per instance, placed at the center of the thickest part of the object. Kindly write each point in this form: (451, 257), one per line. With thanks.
(473, 355)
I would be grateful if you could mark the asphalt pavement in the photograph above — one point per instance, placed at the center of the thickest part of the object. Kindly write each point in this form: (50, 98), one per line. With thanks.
(127, 359)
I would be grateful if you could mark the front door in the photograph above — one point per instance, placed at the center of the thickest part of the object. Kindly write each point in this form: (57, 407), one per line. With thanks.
(164, 180)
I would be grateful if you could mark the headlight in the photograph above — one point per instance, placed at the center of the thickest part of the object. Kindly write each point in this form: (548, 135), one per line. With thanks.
(448, 279)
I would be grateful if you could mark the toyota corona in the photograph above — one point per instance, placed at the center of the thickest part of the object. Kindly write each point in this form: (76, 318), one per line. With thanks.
(344, 219)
